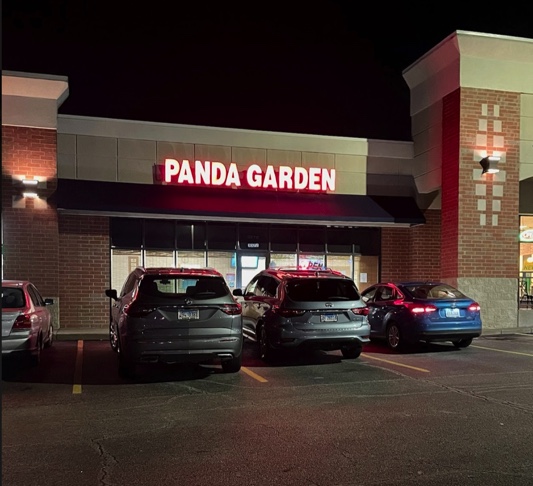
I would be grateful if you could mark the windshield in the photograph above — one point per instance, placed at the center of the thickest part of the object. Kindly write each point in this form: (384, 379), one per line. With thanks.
(434, 291)
(316, 289)
(172, 286)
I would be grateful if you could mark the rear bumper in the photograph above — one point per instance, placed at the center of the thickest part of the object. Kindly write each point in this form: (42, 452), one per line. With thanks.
(183, 351)
(326, 341)
(453, 335)
(24, 344)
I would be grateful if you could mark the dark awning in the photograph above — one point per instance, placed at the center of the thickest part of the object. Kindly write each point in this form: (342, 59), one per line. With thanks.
(186, 202)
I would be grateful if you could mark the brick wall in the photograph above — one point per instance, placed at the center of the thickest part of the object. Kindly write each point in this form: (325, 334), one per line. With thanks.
(412, 253)
(30, 232)
(490, 122)
(84, 258)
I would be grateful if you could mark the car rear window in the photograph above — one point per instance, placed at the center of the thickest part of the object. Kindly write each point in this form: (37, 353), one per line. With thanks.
(13, 298)
(434, 291)
(183, 285)
(310, 290)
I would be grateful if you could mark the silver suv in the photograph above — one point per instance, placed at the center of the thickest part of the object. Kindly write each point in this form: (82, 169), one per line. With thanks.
(295, 309)
(175, 315)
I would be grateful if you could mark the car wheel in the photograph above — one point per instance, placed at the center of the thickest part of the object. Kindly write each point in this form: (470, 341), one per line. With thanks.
(126, 367)
(232, 365)
(265, 350)
(394, 337)
(462, 343)
(351, 352)
(113, 337)
(50, 339)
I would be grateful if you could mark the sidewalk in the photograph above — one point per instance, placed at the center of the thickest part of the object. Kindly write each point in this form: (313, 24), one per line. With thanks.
(82, 334)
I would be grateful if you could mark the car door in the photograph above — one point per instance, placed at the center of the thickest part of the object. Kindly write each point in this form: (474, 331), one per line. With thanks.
(259, 296)
(40, 310)
(379, 301)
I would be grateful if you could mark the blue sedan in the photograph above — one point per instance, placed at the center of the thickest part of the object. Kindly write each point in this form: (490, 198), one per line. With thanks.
(404, 313)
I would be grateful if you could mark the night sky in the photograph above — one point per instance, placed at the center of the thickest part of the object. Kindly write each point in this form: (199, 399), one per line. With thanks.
(304, 67)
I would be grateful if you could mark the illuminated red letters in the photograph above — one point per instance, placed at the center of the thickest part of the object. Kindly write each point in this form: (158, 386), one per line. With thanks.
(217, 174)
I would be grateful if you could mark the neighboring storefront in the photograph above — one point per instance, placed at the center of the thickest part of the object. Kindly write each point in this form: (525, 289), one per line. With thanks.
(109, 195)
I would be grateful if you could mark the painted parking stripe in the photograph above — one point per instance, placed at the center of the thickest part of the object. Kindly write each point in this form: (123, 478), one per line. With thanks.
(396, 363)
(501, 350)
(76, 388)
(255, 376)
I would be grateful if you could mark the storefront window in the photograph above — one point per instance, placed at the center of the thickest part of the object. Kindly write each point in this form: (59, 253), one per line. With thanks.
(341, 263)
(123, 262)
(224, 262)
(190, 259)
(279, 260)
(526, 262)
(154, 258)
(311, 262)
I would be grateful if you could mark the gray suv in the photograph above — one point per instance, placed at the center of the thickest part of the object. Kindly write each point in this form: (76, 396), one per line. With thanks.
(175, 315)
(304, 309)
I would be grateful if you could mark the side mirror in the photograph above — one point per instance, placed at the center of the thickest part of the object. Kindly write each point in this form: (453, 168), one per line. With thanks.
(112, 294)
(237, 292)
(48, 301)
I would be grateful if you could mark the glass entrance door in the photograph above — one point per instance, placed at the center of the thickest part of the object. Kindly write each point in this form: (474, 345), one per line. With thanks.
(248, 265)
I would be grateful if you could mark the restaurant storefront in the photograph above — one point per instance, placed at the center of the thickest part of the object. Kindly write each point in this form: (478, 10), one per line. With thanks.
(85, 199)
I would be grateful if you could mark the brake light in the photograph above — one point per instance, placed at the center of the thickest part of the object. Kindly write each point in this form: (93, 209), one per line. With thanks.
(475, 307)
(132, 310)
(231, 309)
(361, 311)
(283, 312)
(22, 321)
(421, 309)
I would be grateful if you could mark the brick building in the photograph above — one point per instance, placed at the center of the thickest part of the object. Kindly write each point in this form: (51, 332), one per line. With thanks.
(114, 194)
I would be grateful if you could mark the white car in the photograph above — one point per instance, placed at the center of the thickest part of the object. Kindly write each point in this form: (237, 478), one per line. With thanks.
(26, 320)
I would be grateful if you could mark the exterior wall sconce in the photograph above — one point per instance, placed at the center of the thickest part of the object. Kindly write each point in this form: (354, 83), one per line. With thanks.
(490, 164)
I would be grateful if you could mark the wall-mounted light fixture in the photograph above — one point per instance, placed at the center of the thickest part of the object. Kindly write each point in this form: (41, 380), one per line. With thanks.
(490, 164)
(30, 182)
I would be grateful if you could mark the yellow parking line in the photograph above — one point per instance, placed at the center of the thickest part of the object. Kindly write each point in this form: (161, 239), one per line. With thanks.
(76, 388)
(501, 350)
(255, 376)
(395, 363)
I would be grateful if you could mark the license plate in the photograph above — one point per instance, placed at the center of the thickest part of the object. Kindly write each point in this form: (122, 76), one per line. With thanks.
(188, 315)
(453, 313)
(328, 318)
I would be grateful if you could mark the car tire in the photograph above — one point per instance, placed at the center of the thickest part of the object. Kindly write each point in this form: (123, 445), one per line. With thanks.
(50, 339)
(232, 365)
(266, 352)
(463, 343)
(394, 337)
(113, 337)
(351, 352)
(126, 367)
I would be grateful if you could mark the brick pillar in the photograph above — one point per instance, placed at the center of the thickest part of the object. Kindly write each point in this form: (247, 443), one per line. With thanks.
(84, 254)
(480, 212)
(30, 228)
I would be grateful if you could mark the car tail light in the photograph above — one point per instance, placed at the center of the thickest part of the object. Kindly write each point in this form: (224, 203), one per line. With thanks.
(133, 310)
(361, 311)
(420, 309)
(22, 321)
(231, 309)
(475, 307)
(283, 312)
